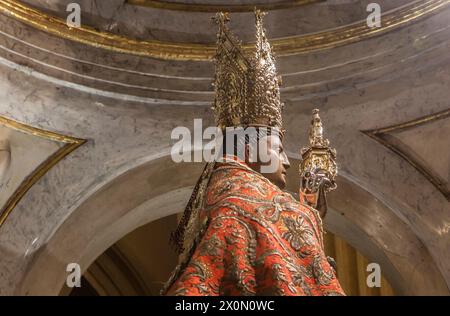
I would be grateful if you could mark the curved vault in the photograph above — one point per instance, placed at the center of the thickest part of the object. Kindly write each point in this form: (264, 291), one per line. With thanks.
(125, 105)
(132, 200)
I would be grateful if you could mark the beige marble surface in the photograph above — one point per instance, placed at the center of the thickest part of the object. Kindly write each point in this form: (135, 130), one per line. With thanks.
(180, 26)
(126, 107)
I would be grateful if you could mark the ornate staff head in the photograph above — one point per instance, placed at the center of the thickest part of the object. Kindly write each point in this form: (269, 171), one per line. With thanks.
(318, 166)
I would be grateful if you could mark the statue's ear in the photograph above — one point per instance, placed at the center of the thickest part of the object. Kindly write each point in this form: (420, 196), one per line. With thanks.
(248, 156)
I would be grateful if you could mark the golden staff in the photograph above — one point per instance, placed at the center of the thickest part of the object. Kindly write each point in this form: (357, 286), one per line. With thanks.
(318, 168)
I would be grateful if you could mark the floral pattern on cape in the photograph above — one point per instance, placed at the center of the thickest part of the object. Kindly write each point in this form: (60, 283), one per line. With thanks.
(258, 240)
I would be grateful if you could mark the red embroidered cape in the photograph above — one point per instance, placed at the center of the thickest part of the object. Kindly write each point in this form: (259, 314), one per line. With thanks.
(258, 241)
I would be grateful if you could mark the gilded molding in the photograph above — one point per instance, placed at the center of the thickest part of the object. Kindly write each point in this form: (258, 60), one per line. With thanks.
(70, 145)
(378, 134)
(202, 52)
(213, 8)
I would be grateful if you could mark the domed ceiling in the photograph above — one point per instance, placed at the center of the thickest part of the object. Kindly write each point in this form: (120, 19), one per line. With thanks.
(136, 69)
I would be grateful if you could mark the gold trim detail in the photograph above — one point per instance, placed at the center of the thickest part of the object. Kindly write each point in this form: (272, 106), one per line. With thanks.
(246, 88)
(213, 8)
(70, 145)
(378, 134)
(202, 52)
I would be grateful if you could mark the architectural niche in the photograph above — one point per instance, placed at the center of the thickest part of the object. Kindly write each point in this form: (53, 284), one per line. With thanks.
(127, 77)
(26, 156)
(415, 140)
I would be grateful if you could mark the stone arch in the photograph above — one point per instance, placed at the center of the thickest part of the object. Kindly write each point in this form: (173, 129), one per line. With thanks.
(161, 187)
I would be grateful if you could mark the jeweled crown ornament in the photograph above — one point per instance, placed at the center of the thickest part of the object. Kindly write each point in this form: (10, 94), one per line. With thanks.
(318, 166)
(247, 88)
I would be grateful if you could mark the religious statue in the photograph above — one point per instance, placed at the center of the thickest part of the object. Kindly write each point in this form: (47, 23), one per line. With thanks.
(240, 233)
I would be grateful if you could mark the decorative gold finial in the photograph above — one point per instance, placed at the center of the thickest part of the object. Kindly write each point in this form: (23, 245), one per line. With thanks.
(246, 85)
(316, 131)
(318, 167)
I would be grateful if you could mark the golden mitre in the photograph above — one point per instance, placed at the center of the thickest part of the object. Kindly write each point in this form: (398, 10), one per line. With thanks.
(247, 88)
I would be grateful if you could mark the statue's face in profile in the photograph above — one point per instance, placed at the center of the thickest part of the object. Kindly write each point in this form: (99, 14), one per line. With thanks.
(272, 161)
